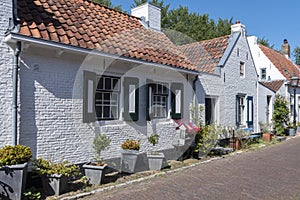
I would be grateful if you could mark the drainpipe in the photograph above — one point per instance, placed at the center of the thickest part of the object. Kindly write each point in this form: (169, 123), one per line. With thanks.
(15, 93)
(194, 88)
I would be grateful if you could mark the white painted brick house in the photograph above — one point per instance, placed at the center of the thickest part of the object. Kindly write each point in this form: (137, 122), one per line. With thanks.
(275, 70)
(228, 79)
(86, 69)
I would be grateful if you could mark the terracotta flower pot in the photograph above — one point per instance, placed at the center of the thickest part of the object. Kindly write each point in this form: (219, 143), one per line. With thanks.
(267, 137)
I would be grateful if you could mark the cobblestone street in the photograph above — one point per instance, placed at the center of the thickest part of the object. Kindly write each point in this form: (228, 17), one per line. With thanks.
(268, 173)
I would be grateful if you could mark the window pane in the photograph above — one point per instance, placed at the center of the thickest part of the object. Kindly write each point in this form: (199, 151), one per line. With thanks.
(99, 111)
(116, 84)
(159, 89)
(165, 89)
(100, 84)
(107, 83)
(106, 97)
(106, 111)
(114, 112)
(159, 113)
(114, 99)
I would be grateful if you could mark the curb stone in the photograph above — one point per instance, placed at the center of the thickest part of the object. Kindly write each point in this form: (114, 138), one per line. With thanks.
(95, 191)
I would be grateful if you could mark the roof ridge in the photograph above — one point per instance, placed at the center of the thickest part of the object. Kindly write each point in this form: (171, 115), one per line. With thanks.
(201, 41)
(120, 11)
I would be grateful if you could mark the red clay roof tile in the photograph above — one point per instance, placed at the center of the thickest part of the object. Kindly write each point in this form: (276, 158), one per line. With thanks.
(286, 67)
(273, 85)
(206, 54)
(93, 26)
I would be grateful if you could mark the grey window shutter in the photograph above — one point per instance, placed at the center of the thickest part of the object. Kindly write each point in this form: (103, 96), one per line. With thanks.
(89, 88)
(149, 86)
(177, 100)
(250, 110)
(131, 99)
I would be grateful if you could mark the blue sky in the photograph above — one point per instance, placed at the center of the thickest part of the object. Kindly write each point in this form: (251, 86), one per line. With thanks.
(273, 19)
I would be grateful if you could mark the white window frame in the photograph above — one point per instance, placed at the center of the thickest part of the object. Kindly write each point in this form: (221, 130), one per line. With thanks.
(242, 110)
(159, 100)
(112, 102)
(261, 74)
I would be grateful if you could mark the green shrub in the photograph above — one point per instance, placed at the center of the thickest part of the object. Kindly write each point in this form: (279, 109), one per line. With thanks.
(280, 114)
(32, 194)
(48, 167)
(131, 145)
(207, 138)
(12, 155)
(153, 139)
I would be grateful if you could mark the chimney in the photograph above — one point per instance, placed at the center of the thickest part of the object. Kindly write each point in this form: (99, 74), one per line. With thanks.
(238, 27)
(285, 48)
(149, 13)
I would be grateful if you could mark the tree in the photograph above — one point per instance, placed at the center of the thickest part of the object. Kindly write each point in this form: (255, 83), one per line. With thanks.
(265, 42)
(108, 3)
(182, 26)
(296, 54)
(197, 27)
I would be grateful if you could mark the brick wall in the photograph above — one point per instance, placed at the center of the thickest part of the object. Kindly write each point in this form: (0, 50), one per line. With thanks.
(51, 108)
(6, 60)
(234, 84)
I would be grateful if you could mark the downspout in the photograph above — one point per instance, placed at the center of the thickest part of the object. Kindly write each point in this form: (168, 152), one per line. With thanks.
(15, 74)
(195, 97)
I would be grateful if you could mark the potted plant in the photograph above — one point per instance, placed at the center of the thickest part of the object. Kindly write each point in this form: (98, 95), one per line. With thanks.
(155, 159)
(236, 141)
(13, 170)
(291, 129)
(265, 131)
(130, 154)
(55, 175)
(94, 171)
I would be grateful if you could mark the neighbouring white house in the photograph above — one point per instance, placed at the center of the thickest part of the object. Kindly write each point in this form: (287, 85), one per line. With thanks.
(80, 69)
(228, 79)
(276, 71)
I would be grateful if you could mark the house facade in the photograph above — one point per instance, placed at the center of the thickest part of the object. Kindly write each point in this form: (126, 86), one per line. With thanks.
(275, 71)
(82, 69)
(228, 79)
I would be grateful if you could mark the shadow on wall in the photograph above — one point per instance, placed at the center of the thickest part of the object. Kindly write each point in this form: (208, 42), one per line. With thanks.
(38, 84)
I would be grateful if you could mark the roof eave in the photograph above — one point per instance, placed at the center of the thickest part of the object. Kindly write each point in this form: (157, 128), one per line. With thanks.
(231, 44)
(13, 37)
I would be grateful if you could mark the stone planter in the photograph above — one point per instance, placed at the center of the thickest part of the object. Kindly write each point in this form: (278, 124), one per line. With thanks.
(128, 160)
(13, 181)
(267, 137)
(292, 132)
(54, 184)
(94, 173)
(155, 160)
